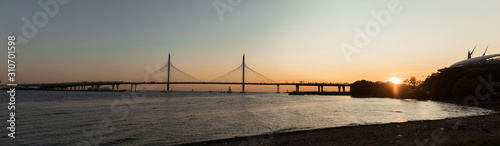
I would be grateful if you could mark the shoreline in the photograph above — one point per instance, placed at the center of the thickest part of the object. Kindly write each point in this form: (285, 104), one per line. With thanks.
(424, 132)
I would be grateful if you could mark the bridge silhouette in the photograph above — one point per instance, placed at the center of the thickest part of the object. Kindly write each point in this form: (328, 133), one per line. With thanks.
(169, 74)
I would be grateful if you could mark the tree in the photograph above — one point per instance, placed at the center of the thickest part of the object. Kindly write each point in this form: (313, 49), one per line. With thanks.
(412, 81)
(464, 87)
(362, 88)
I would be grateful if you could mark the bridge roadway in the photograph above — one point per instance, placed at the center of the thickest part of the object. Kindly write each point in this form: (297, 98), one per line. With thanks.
(95, 86)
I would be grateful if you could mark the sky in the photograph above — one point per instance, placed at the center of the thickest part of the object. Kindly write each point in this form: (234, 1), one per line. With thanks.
(285, 40)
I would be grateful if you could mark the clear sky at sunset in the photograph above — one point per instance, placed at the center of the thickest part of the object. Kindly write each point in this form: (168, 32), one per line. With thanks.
(285, 40)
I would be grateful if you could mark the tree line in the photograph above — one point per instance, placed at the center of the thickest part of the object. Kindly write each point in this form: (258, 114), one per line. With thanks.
(451, 84)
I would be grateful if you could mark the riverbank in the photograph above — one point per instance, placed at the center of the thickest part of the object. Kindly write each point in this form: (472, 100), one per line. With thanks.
(429, 132)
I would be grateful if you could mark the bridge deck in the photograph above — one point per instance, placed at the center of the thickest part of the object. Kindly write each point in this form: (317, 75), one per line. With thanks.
(118, 82)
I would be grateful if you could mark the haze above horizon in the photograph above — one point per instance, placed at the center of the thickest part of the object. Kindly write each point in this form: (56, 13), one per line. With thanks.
(285, 40)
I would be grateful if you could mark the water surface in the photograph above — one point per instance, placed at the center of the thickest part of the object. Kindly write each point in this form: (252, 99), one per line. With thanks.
(69, 118)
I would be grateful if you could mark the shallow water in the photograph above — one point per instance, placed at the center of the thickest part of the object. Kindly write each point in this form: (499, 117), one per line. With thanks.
(70, 118)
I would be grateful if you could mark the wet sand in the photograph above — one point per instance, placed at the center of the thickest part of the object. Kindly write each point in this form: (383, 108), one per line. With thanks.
(409, 133)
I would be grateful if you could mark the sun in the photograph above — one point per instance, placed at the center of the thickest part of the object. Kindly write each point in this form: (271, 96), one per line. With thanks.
(395, 80)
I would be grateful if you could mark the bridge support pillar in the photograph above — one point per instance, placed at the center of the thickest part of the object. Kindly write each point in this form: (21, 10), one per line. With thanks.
(322, 89)
(297, 88)
(135, 86)
(98, 87)
(117, 87)
(112, 87)
(277, 88)
(243, 79)
(131, 87)
(339, 88)
(92, 87)
(319, 87)
(343, 88)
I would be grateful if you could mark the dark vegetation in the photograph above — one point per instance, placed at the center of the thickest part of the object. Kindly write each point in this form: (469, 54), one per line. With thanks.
(364, 88)
(452, 85)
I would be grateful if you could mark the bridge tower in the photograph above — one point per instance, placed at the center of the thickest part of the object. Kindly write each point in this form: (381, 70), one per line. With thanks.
(243, 81)
(168, 74)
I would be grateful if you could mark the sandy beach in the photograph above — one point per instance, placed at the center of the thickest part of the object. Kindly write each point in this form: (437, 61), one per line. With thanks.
(446, 131)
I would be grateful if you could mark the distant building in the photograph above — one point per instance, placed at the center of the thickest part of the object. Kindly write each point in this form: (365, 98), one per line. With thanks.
(475, 63)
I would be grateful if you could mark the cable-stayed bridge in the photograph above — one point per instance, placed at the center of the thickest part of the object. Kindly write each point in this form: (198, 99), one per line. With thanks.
(169, 74)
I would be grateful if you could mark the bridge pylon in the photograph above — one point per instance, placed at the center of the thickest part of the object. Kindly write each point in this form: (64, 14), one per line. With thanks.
(168, 74)
(243, 80)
